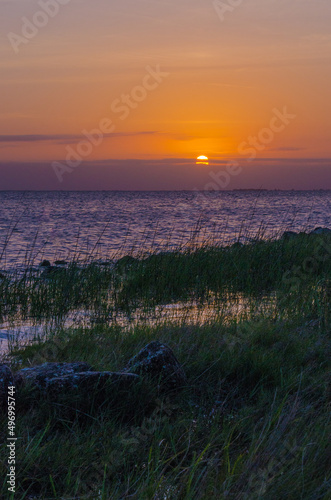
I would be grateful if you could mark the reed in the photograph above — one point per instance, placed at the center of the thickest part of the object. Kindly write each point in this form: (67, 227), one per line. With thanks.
(254, 419)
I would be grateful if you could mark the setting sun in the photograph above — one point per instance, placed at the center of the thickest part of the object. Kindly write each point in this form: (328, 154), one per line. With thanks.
(202, 160)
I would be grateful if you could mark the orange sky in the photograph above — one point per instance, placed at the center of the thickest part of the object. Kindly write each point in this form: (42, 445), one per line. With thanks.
(220, 84)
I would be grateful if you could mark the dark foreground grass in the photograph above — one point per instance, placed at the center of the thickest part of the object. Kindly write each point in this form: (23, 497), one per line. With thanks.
(253, 422)
(254, 419)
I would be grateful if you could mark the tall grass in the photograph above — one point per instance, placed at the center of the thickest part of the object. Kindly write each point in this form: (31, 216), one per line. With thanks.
(200, 274)
(254, 419)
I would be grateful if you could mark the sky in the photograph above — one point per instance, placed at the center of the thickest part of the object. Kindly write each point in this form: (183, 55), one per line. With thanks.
(127, 94)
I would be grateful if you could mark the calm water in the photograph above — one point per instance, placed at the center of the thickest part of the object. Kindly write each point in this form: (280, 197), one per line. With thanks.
(57, 225)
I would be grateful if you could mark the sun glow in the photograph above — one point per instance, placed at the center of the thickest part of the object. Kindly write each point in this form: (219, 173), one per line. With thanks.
(202, 160)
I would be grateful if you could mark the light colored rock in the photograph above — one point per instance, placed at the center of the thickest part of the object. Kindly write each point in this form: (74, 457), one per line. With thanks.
(39, 376)
(158, 362)
(90, 384)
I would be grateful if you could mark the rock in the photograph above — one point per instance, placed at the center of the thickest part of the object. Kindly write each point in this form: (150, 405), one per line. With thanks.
(76, 387)
(60, 263)
(52, 271)
(120, 394)
(289, 235)
(158, 362)
(90, 383)
(39, 376)
(6, 380)
(237, 244)
(321, 230)
(45, 263)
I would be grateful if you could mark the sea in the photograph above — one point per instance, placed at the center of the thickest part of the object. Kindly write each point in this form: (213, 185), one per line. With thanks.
(105, 225)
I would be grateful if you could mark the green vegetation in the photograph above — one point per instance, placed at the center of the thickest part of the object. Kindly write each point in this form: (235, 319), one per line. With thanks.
(254, 420)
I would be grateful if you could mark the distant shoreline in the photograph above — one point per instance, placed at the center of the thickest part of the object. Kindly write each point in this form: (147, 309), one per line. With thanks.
(162, 190)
